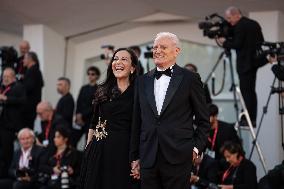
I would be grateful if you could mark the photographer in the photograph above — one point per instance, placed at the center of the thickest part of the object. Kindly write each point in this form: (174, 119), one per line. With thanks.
(12, 99)
(247, 38)
(56, 159)
(23, 170)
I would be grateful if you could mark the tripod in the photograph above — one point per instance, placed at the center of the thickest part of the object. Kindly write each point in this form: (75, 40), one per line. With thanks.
(228, 55)
(273, 90)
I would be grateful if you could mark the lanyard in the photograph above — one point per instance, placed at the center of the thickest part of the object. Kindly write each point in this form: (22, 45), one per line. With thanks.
(58, 158)
(5, 91)
(227, 173)
(213, 140)
(47, 130)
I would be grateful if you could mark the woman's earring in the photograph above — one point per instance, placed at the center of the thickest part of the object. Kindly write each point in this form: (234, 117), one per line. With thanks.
(131, 72)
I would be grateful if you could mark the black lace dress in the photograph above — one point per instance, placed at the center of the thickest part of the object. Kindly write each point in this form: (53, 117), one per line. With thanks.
(106, 162)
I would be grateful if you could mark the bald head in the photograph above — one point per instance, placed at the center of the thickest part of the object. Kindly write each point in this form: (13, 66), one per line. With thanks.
(44, 110)
(9, 76)
(24, 47)
(233, 15)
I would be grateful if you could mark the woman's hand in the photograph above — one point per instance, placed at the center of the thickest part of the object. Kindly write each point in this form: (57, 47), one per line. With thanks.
(56, 170)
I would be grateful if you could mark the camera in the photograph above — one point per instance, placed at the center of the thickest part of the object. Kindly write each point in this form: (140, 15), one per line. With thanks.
(148, 54)
(23, 172)
(274, 49)
(109, 50)
(215, 26)
(8, 56)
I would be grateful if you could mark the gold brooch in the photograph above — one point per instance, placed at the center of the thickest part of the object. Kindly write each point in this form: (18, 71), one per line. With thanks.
(100, 131)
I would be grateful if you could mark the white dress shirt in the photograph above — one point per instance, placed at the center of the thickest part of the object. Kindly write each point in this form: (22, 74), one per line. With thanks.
(25, 158)
(160, 89)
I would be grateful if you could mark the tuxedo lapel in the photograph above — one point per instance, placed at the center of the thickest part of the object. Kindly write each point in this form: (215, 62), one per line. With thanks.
(149, 90)
(173, 86)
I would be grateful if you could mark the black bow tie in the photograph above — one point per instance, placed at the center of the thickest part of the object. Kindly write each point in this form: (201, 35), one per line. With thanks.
(167, 72)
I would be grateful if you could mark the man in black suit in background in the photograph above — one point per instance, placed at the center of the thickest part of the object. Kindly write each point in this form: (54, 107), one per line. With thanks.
(163, 141)
(12, 99)
(65, 105)
(33, 83)
(247, 38)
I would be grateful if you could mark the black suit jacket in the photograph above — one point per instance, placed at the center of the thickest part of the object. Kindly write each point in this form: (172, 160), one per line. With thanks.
(65, 108)
(11, 117)
(33, 83)
(172, 131)
(36, 154)
(247, 38)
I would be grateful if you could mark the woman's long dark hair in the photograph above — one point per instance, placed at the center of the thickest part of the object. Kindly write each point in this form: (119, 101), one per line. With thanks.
(108, 89)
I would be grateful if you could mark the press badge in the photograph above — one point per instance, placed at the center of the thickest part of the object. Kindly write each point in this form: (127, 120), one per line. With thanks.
(210, 153)
(45, 143)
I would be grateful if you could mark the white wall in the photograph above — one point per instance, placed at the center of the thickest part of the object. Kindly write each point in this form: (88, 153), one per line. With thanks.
(8, 39)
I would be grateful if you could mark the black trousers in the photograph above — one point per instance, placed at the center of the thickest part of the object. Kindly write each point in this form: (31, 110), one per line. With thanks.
(164, 175)
(7, 148)
(247, 86)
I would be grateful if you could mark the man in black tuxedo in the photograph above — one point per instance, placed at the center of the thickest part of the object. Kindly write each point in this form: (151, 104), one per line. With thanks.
(247, 38)
(33, 83)
(23, 171)
(164, 142)
(12, 99)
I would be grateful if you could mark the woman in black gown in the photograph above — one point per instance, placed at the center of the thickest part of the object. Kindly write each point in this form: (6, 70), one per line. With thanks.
(106, 158)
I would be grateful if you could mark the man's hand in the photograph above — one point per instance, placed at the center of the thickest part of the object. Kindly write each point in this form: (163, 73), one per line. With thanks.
(26, 178)
(194, 179)
(226, 186)
(3, 97)
(56, 170)
(135, 169)
(194, 156)
(221, 40)
(79, 119)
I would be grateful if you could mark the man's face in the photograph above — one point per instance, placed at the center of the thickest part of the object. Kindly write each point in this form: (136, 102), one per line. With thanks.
(92, 76)
(232, 18)
(165, 52)
(26, 60)
(26, 140)
(8, 77)
(24, 48)
(62, 86)
(42, 113)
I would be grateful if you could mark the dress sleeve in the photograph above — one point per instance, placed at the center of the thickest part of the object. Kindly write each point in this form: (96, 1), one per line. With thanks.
(95, 114)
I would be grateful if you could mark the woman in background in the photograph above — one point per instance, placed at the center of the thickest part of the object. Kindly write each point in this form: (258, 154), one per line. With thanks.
(241, 172)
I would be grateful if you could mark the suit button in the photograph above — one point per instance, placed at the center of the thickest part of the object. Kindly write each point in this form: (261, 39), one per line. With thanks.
(159, 123)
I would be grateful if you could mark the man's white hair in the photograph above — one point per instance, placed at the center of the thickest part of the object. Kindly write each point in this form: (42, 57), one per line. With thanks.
(22, 131)
(170, 36)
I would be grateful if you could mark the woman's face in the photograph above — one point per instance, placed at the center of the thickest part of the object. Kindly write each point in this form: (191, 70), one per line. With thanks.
(59, 140)
(231, 158)
(121, 65)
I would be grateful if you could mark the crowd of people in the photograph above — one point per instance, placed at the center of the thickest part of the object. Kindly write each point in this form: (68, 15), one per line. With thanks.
(159, 130)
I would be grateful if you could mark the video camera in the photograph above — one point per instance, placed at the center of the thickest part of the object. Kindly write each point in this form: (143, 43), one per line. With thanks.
(109, 50)
(215, 26)
(8, 57)
(275, 50)
(272, 49)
